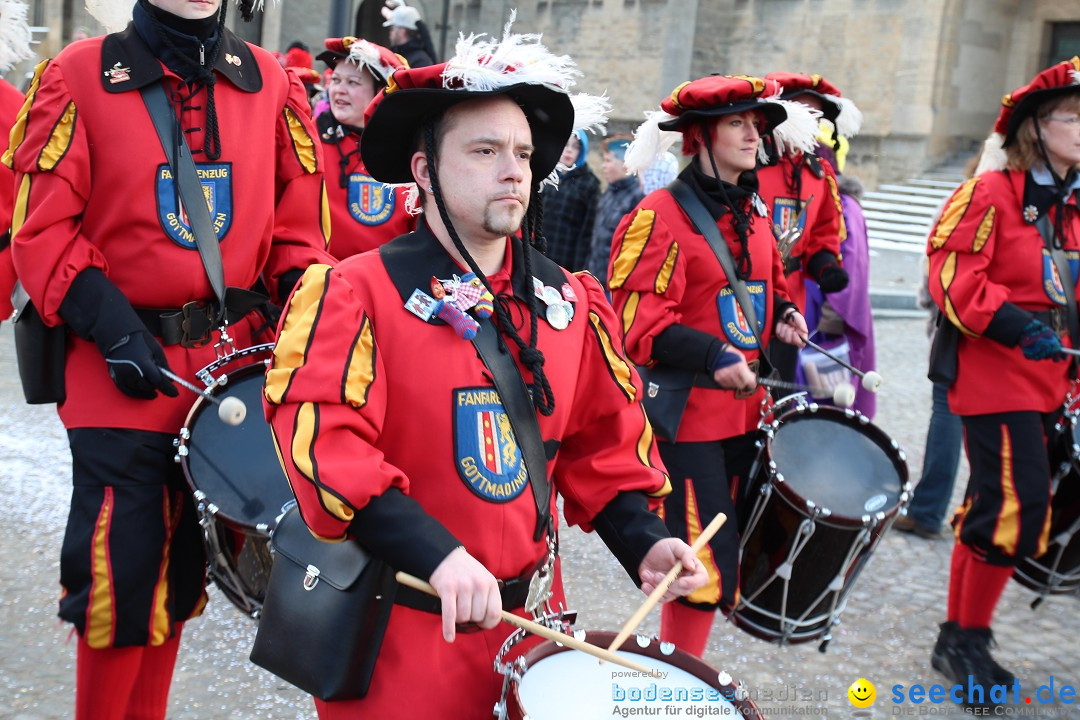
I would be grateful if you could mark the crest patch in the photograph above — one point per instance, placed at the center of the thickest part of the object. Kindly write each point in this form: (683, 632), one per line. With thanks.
(736, 326)
(370, 202)
(216, 180)
(784, 215)
(487, 454)
(1052, 280)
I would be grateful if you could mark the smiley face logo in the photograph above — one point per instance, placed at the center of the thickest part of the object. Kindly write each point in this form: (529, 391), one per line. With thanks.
(862, 693)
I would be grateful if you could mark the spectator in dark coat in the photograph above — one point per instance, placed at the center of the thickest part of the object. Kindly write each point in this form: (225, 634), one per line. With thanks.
(409, 37)
(570, 208)
(622, 194)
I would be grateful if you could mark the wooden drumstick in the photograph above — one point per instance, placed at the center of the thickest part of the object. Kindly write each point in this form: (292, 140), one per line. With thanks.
(658, 592)
(538, 629)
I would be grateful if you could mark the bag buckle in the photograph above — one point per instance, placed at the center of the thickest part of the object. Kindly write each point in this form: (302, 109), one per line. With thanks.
(653, 390)
(311, 579)
(197, 322)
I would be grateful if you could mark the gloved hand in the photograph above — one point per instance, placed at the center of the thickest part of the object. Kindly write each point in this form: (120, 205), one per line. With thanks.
(96, 310)
(1040, 342)
(833, 278)
(134, 362)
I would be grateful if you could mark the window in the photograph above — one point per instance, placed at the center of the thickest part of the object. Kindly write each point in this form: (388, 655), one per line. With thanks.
(1064, 42)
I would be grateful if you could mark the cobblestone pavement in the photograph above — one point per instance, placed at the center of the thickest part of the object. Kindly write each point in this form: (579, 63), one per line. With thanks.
(885, 637)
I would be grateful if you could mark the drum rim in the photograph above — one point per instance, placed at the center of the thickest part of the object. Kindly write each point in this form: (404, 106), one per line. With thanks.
(686, 662)
(882, 440)
(201, 404)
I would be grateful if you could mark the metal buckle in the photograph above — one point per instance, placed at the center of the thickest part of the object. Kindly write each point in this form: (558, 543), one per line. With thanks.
(198, 321)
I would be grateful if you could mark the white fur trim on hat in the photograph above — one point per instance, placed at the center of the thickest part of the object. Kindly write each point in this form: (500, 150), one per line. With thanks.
(361, 52)
(993, 155)
(650, 142)
(849, 120)
(798, 133)
(15, 35)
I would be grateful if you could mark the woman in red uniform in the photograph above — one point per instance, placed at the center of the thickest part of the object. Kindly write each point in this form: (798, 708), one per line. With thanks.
(1003, 259)
(364, 213)
(679, 310)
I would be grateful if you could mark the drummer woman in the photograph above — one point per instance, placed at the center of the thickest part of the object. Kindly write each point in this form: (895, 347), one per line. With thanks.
(1003, 260)
(679, 310)
(364, 213)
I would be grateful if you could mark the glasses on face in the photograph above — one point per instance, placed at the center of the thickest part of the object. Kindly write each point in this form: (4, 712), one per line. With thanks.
(1073, 121)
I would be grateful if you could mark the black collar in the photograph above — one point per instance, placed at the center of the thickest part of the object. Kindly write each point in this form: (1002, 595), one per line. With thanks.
(1039, 198)
(333, 132)
(127, 63)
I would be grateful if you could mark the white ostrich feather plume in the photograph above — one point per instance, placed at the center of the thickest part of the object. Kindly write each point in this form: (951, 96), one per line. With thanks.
(993, 155)
(650, 142)
(113, 15)
(15, 35)
(798, 133)
(361, 52)
(849, 121)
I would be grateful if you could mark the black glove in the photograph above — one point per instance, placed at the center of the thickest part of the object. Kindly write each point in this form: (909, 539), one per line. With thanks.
(833, 278)
(97, 311)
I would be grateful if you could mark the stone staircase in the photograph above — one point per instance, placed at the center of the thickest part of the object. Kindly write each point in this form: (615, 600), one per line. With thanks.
(898, 220)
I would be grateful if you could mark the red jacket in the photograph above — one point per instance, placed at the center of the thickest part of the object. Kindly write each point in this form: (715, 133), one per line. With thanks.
(785, 188)
(10, 102)
(97, 192)
(662, 272)
(364, 213)
(982, 255)
(364, 396)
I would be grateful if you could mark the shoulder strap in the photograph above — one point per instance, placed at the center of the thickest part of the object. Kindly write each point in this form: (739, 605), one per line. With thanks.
(706, 226)
(188, 185)
(1068, 282)
(409, 261)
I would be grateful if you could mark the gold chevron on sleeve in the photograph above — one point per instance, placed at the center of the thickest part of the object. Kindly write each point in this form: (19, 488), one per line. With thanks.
(631, 247)
(617, 365)
(361, 371)
(290, 352)
(953, 213)
(303, 143)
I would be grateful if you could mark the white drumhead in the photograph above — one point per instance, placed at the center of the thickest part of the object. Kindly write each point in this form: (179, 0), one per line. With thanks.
(572, 684)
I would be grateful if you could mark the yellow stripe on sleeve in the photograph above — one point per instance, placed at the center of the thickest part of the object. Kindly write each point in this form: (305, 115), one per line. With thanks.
(290, 352)
(617, 365)
(18, 130)
(324, 205)
(303, 456)
(663, 278)
(22, 199)
(953, 213)
(948, 274)
(303, 143)
(361, 371)
(59, 141)
(986, 226)
(630, 311)
(631, 247)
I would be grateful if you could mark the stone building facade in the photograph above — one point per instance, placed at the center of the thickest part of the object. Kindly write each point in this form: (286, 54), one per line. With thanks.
(927, 74)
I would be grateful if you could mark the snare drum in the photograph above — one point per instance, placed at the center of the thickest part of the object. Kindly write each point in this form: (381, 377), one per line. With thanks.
(238, 484)
(551, 682)
(825, 486)
(1057, 571)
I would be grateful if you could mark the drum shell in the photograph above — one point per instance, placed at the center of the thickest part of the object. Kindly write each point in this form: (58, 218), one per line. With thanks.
(781, 513)
(238, 484)
(677, 658)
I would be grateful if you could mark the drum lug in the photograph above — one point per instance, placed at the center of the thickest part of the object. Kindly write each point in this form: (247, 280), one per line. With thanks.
(182, 451)
(185, 434)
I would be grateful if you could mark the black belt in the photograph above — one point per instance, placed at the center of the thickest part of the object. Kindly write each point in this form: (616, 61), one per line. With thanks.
(514, 594)
(192, 324)
(1054, 318)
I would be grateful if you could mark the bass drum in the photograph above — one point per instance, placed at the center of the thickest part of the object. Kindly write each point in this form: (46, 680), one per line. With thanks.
(826, 486)
(239, 487)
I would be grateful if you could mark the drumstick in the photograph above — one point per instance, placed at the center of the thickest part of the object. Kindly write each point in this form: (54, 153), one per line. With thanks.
(231, 410)
(658, 592)
(538, 629)
(870, 380)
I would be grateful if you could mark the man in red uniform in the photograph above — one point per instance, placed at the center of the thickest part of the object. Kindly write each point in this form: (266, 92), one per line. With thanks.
(679, 310)
(995, 255)
(364, 213)
(389, 424)
(101, 245)
(799, 182)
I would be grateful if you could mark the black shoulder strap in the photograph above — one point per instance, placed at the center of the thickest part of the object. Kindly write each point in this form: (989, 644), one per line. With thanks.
(1068, 282)
(706, 227)
(410, 261)
(188, 185)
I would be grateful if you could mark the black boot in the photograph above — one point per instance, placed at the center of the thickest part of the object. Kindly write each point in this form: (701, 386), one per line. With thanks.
(1001, 675)
(963, 653)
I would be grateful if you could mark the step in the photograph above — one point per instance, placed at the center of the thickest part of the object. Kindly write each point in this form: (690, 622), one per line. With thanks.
(908, 218)
(904, 246)
(919, 211)
(924, 182)
(909, 238)
(890, 299)
(940, 193)
(919, 229)
(903, 199)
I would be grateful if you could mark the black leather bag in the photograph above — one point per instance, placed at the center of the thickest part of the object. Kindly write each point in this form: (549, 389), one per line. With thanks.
(39, 351)
(943, 352)
(325, 613)
(667, 391)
